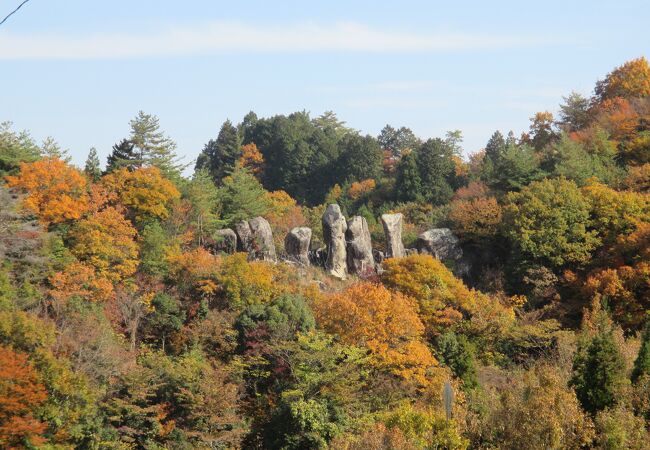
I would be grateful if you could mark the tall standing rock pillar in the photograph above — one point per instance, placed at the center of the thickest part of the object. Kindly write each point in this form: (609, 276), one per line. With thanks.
(334, 228)
(393, 230)
(359, 247)
(296, 245)
(264, 248)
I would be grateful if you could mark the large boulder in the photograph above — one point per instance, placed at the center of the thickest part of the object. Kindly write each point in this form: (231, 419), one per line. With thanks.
(441, 243)
(296, 245)
(359, 247)
(225, 241)
(393, 230)
(263, 246)
(334, 228)
(244, 237)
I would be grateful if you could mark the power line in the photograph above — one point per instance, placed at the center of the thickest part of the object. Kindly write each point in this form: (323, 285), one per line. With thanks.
(13, 12)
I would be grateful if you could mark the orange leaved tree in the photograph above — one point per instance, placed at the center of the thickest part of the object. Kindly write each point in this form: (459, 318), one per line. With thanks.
(56, 191)
(252, 159)
(476, 219)
(360, 188)
(630, 80)
(79, 280)
(385, 322)
(21, 394)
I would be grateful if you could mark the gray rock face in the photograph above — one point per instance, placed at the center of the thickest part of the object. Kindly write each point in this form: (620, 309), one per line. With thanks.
(378, 256)
(263, 246)
(318, 257)
(359, 247)
(393, 230)
(334, 228)
(410, 251)
(244, 237)
(296, 244)
(225, 241)
(441, 243)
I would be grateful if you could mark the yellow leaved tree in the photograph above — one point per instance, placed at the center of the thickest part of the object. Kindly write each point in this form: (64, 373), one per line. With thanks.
(145, 192)
(106, 241)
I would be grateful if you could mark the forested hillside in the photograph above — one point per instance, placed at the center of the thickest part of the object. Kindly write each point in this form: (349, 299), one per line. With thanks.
(129, 321)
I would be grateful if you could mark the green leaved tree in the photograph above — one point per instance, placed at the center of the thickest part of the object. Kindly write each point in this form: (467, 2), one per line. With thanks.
(219, 156)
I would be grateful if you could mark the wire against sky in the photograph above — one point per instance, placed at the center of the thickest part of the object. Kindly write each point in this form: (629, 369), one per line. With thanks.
(13, 12)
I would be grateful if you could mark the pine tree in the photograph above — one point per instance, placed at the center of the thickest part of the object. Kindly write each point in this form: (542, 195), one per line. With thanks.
(408, 183)
(574, 112)
(598, 372)
(360, 158)
(495, 147)
(220, 156)
(246, 126)
(167, 318)
(242, 197)
(202, 195)
(436, 164)
(642, 362)
(51, 149)
(517, 167)
(15, 148)
(455, 351)
(152, 147)
(92, 169)
(123, 155)
(397, 141)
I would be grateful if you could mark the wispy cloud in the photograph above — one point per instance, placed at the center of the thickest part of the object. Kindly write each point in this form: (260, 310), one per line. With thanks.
(224, 37)
(393, 103)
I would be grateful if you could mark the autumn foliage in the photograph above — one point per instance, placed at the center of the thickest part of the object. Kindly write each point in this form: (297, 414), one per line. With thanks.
(475, 219)
(360, 188)
(144, 191)
(385, 322)
(443, 299)
(252, 159)
(631, 79)
(80, 281)
(284, 214)
(21, 395)
(105, 241)
(196, 269)
(56, 192)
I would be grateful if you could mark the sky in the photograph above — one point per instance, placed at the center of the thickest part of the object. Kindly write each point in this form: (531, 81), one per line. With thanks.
(80, 70)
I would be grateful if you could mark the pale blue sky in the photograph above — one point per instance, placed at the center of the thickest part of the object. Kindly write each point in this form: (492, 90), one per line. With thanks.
(79, 70)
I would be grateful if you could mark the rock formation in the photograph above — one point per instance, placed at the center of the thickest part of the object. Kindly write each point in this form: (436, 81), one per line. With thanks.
(263, 246)
(359, 247)
(441, 243)
(318, 257)
(378, 256)
(334, 228)
(256, 238)
(393, 230)
(296, 245)
(244, 237)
